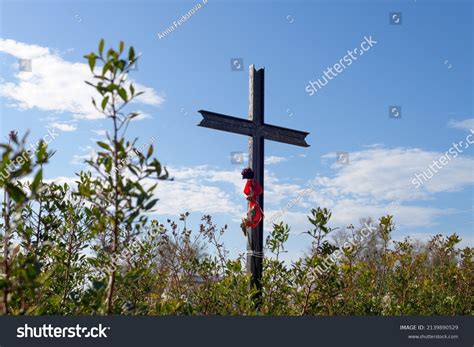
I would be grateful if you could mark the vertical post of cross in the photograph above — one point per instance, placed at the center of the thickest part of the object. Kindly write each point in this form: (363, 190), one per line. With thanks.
(256, 163)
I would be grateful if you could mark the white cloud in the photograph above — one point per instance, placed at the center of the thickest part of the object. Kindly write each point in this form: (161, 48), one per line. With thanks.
(382, 174)
(56, 84)
(466, 124)
(278, 193)
(179, 196)
(298, 221)
(375, 183)
(187, 192)
(60, 180)
(63, 126)
(99, 132)
(142, 115)
(22, 50)
(274, 160)
(349, 211)
(78, 159)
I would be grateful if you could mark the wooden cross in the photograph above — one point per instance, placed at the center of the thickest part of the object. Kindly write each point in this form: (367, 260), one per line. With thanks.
(257, 131)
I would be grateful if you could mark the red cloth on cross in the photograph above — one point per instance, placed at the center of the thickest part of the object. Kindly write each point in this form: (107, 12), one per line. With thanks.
(254, 213)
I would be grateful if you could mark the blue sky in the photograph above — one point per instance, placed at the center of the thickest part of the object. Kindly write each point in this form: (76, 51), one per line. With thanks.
(423, 65)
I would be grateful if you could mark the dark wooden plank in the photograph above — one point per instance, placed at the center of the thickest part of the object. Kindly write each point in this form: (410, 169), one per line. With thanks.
(242, 126)
(256, 162)
(226, 123)
(285, 135)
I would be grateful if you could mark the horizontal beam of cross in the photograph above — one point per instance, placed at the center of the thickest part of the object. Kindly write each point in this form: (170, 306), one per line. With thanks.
(226, 123)
(246, 127)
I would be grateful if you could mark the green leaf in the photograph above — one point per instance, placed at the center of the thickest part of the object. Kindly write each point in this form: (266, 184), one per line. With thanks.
(108, 165)
(121, 47)
(104, 102)
(151, 204)
(131, 54)
(105, 68)
(37, 180)
(101, 46)
(104, 145)
(111, 87)
(16, 193)
(157, 166)
(123, 94)
(150, 151)
(92, 59)
(132, 89)
(121, 64)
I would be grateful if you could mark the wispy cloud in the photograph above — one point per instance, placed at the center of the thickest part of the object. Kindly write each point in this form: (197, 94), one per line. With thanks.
(63, 126)
(100, 132)
(466, 124)
(89, 153)
(142, 116)
(274, 160)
